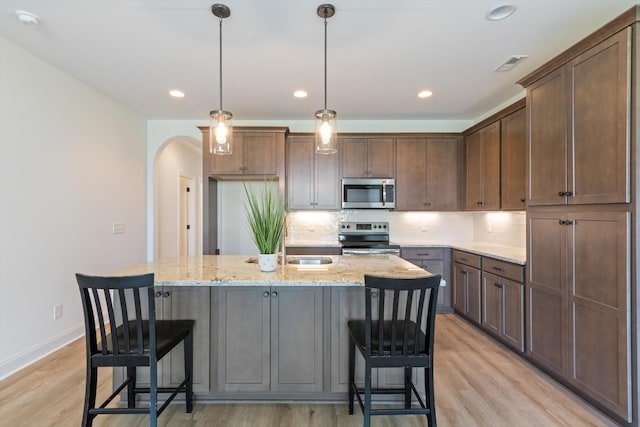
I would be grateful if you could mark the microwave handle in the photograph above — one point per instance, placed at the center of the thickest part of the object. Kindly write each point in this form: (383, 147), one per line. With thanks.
(384, 193)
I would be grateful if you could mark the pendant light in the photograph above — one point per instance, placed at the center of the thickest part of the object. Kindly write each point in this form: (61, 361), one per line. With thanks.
(221, 125)
(326, 135)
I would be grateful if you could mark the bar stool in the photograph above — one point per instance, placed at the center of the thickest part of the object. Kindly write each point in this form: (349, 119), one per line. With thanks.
(402, 339)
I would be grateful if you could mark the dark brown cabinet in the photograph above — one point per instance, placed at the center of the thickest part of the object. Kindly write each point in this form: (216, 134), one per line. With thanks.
(254, 153)
(503, 301)
(513, 144)
(368, 157)
(427, 173)
(578, 133)
(268, 339)
(313, 180)
(482, 163)
(578, 299)
(467, 285)
(436, 261)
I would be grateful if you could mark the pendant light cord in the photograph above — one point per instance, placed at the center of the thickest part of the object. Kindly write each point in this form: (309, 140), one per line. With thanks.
(325, 59)
(221, 64)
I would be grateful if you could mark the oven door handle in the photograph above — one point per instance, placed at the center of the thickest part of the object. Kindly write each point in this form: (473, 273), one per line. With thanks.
(371, 252)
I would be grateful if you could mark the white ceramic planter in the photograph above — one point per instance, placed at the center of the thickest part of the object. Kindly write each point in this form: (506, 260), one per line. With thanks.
(268, 262)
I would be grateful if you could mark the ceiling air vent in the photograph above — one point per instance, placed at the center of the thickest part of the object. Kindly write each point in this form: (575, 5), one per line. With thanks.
(511, 62)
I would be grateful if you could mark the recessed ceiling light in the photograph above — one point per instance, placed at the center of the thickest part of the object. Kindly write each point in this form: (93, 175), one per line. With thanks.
(300, 94)
(501, 12)
(27, 18)
(424, 94)
(176, 93)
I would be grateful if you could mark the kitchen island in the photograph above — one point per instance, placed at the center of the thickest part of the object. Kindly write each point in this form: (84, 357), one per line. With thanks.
(276, 336)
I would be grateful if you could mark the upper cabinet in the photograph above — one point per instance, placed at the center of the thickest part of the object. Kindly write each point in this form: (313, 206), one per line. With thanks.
(256, 151)
(368, 157)
(427, 173)
(513, 143)
(313, 180)
(579, 139)
(483, 169)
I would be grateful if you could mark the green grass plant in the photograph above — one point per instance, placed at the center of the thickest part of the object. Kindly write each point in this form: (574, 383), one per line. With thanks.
(265, 217)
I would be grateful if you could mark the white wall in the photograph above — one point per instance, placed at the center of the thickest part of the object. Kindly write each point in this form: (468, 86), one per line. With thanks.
(72, 163)
(181, 156)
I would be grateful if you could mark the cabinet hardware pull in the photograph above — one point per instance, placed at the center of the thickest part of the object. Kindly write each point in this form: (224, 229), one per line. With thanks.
(478, 203)
(561, 222)
(166, 294)
(463, 259)
(523, 200)
(498, 268)
(423, 254)
(266, 294)
(374, 295)
(274, 294)
(158, 294)
(568, 194)
(569, 222)
(497, 285)
(562, 193)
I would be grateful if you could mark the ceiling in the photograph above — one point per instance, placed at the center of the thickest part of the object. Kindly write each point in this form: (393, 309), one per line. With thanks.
(380, 53)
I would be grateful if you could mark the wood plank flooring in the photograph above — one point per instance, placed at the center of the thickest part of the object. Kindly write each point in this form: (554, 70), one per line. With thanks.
(478, 383)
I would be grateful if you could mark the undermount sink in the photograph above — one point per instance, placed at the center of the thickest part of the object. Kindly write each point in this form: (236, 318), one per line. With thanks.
(310, 261)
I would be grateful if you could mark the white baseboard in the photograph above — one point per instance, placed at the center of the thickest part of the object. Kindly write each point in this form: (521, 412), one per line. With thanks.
(33, 354)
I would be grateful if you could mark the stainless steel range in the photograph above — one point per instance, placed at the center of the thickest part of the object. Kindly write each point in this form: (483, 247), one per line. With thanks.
(366, 238)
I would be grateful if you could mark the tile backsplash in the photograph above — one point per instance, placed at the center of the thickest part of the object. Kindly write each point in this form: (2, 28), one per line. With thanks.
(504, 228)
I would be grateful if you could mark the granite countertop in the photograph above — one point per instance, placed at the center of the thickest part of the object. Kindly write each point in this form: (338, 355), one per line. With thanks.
(234, 270)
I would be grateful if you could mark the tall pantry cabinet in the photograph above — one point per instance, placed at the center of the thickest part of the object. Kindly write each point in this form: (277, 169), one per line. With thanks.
(579, 210)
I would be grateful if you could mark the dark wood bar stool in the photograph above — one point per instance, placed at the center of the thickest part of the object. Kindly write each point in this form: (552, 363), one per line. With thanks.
(137, 340)
(403, 339)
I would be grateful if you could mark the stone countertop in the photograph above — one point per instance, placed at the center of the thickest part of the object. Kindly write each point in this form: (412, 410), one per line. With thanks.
(505, 253)
(234, 270)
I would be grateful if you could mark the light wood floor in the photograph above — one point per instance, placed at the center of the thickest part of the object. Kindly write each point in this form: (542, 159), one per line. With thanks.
(478, 383)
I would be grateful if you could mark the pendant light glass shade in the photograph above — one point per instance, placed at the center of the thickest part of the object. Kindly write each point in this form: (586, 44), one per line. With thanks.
(326, 134)
(221, 124)
(221, 132)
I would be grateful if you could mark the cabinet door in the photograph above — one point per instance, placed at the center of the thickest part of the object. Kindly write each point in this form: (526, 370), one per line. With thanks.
(491, 303)
(244, 339)
(546, 290)
(513, 188)
(442, 173)
(599, 289)
(459, 293)
(599, 136)
(327, 182)
(354, 157)
(547, 145)
(411, 178)
(491, 167)
(381, 158)
(187, 302)
(512, 313)
(300, 179)
(474, 168)
(260, 153)
(296, 339)
(231, 164)
(474, 294)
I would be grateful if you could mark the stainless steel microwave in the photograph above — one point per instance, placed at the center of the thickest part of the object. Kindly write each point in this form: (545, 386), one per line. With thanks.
(368, 193)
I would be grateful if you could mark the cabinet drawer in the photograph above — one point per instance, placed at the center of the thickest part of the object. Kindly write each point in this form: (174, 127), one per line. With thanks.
(504, 269)
(466, 258)
(423, 253)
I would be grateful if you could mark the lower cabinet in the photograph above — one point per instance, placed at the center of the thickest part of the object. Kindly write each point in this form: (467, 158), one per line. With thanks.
(503, 301)
(437, 261)
(270, 339)
(466, 285)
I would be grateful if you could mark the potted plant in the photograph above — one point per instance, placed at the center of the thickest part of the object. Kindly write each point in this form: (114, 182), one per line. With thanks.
(266, 220)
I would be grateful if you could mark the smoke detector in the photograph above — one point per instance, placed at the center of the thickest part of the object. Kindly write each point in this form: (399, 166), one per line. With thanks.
(511, 62)
(27, 18)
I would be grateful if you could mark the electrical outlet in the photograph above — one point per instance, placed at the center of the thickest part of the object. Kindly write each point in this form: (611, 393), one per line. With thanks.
(489, 228)
(118, 228)
(57, 312)
(424, 227)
